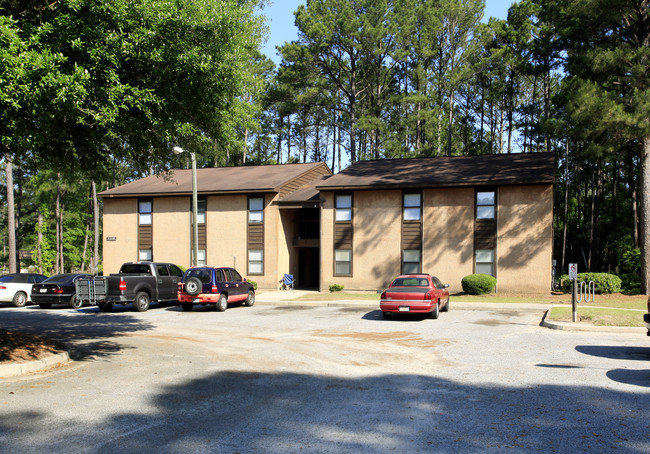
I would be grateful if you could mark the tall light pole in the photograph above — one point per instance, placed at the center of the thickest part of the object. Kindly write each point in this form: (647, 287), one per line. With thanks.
(195, 216)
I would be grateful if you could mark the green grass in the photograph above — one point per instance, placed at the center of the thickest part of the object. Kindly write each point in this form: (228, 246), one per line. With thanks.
(598, 316)
(616, 300)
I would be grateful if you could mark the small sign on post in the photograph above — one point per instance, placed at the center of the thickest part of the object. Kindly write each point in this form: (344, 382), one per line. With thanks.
(573, 271)
(573, 275)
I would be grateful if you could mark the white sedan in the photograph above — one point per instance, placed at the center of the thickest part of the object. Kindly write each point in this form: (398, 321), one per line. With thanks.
(16, 288)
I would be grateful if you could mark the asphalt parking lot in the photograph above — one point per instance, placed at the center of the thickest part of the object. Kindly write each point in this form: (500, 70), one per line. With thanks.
(290, 378)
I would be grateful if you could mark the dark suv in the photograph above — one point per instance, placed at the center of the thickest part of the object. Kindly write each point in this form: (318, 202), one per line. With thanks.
(214, 285)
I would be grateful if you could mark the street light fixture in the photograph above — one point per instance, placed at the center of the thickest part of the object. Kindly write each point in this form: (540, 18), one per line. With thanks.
(195, 216)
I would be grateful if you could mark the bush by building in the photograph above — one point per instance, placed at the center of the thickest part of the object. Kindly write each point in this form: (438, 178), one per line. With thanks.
(479, 284)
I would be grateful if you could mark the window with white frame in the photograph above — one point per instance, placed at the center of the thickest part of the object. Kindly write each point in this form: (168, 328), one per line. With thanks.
(200, 211)
(200, 257)
(255, 262)
(256, 209)
(343, 262)
(145, 208)
(411, 261)
(485, 203)
(145, 255)
(484, 261)
(412, 207)
(343, 208)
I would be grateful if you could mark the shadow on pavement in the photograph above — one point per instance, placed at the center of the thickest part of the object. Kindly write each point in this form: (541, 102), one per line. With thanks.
(613, 352)
(89, 333)
(290, 412)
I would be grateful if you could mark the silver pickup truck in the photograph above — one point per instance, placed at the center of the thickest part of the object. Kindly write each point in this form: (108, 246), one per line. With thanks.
(137, 282)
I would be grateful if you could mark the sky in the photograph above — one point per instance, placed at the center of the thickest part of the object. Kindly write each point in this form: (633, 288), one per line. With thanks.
(280, 20)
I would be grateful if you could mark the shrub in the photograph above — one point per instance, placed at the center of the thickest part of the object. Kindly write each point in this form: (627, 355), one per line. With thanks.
(479, 284)
(603, 282)
(336, 288)
(254, 283)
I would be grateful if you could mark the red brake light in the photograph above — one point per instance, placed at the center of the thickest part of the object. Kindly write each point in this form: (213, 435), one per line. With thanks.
(427, 296)
(122, 285)
(383, 295)
(2, 287)
(58, 290)
(215, 289)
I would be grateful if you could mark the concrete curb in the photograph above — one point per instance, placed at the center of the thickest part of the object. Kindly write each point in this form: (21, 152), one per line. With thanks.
(570, 326)
(23, 368)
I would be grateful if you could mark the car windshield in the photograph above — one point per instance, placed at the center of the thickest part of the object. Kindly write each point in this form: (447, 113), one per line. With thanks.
(203, 275)
(410, 282)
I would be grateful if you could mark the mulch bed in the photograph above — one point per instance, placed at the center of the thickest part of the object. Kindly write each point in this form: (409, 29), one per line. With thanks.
(17, 347)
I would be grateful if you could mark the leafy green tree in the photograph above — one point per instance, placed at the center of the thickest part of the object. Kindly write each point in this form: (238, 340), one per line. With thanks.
(608, 53)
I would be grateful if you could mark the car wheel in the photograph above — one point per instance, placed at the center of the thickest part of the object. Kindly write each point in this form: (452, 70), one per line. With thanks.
(105, 307)
(187, 306)
(250, 300)
(45, 305)
(222, 304)
(446, 308)
(436, 311)
(141, 303)
(193, 286)
(20, 299)
(387, 315)
(75, 303)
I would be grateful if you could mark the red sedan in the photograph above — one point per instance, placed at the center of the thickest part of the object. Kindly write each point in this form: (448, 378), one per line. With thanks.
(415, 294)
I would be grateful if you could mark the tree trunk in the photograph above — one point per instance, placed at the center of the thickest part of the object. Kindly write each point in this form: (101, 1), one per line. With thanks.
(11, 214)
(61, 258)
(645, 215)
(635, 213)
(334, 144)
(57, 217)
(39, 242)
(451, 121)
(243, 161)
(566, 204)
(95, 261)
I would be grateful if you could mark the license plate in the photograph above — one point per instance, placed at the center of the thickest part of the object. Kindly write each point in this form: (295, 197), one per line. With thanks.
(43, 290)
(404, 308)
(196, 300)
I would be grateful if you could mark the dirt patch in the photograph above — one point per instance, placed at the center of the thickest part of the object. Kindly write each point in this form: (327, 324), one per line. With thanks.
(20, 347)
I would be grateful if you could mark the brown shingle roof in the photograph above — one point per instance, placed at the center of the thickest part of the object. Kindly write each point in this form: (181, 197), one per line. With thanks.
(306, 196)
(217, 180)
(485, 170)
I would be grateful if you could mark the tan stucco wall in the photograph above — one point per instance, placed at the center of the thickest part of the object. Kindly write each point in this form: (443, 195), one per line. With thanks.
(448, 234)
(326, 240)
(226, 242)
(172, 230)
(376, 254)
(276, 253)
(227, 236)
(120, 221)
(525, 239)
(287, 255)
(227, 222)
